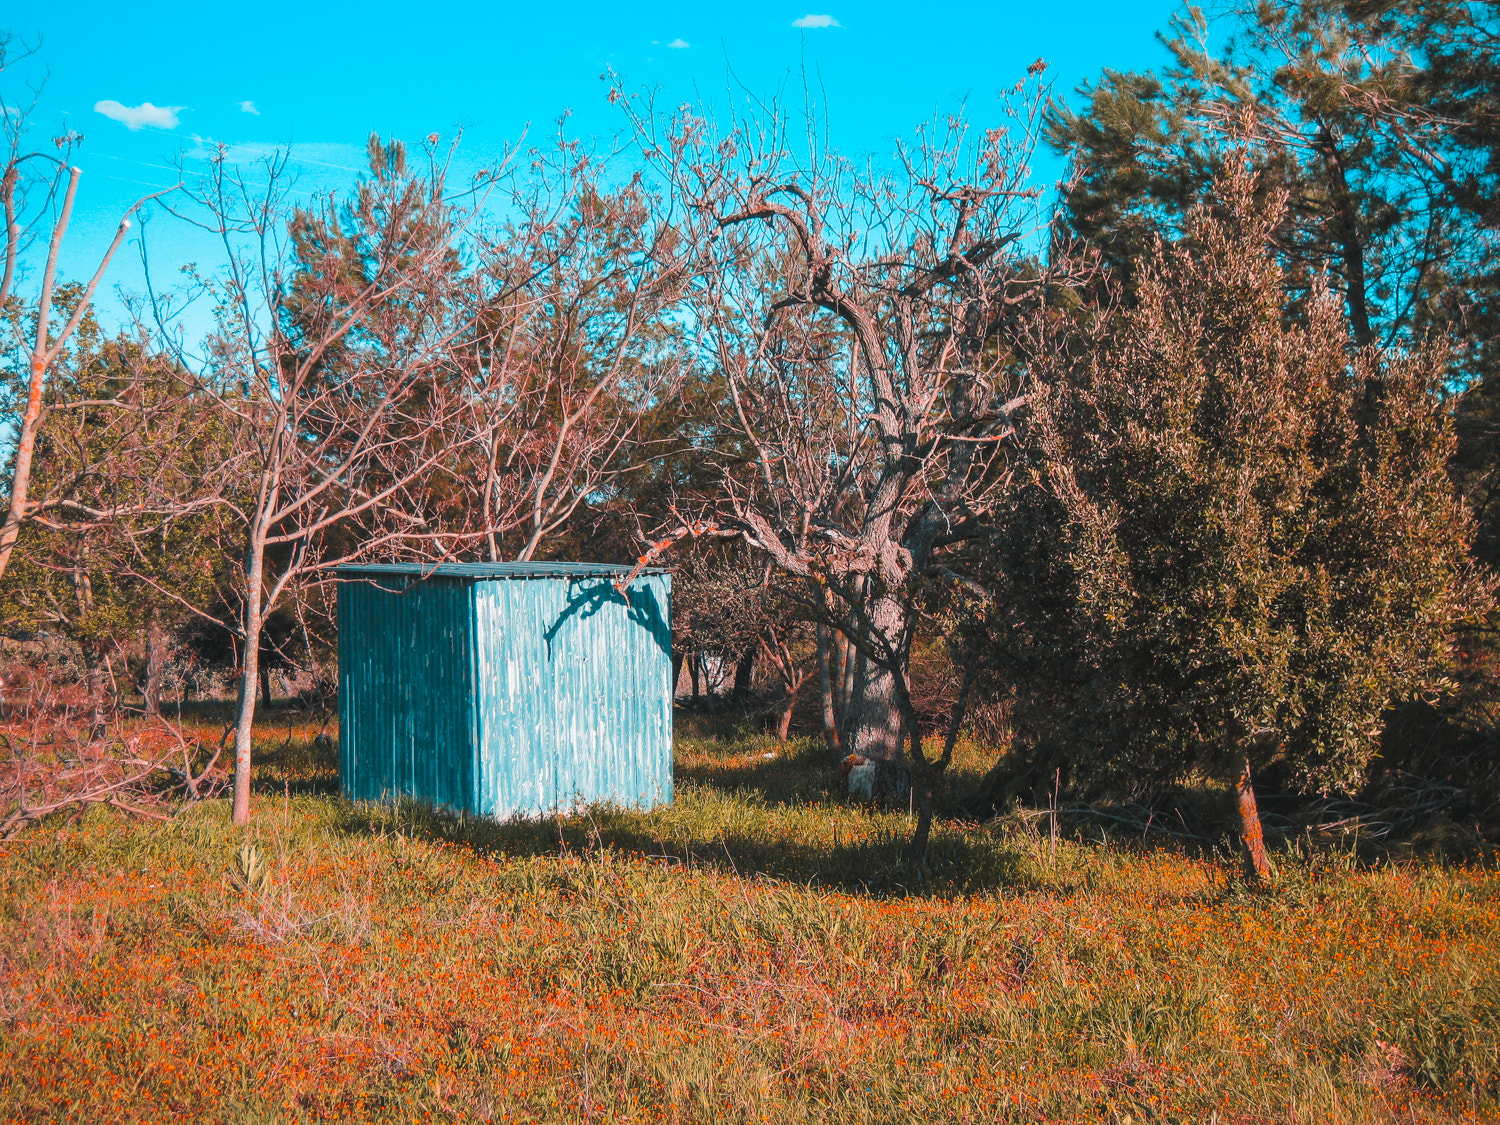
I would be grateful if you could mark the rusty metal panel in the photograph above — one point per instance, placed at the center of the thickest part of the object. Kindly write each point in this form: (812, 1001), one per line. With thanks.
(506, 689)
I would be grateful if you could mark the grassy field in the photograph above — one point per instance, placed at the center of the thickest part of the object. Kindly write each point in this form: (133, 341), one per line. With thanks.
(755, 952)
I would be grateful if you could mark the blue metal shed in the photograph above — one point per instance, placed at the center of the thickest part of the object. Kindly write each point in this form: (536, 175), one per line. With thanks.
(505, 688)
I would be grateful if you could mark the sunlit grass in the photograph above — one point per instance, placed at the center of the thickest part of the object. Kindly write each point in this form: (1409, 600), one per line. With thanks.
(756, 951)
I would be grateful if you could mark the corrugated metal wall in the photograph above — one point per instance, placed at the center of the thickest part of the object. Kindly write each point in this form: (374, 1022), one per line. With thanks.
(506, 695)
(406, 690)
(575, 693)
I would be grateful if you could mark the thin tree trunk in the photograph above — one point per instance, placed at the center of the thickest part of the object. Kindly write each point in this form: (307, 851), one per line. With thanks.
(112, 698)
(151, 692)
(31, 419)
(265, 683)
(1346, 223)
(825, 692)
(93, 675)
(694, 672)
(924, 782)
(793, 684)
(249, 677)
(847, 707)
(926, 786)
(849, 659)
(676, 672)
(1257, 866)
(43, 354)
(927, 771)
(784, 724)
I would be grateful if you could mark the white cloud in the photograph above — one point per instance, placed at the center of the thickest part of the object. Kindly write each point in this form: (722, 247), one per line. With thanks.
(137, 117)
(816, 21)
(249, 107)
(679, 44)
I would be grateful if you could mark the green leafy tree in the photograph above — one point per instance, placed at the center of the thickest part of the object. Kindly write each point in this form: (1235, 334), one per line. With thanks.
(1247, 544)
(100, 561)
(1374, 119)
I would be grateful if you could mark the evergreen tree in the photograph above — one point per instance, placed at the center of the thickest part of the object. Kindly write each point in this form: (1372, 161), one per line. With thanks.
(1375, 118)
(1250, 546)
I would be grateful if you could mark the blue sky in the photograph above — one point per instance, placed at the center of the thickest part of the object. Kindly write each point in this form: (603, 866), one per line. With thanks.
(174, 77)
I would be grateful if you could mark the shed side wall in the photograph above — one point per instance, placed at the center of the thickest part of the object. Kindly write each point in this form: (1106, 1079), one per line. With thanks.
(575, 694)
(406, 690)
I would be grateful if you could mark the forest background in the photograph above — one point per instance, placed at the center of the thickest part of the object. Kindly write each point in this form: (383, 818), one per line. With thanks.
(1183, 472)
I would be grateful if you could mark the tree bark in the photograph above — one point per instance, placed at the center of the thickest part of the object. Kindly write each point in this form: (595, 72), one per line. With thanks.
(1257, 866)
(93, 674)
(1346, 224)
(743, 671)
(849, 660)
(784, 724)
(848, 667)
(826, 666)
(926, 785)
(265, 683)
(875, 728)
(151, 691)
(875, 720)
(249, 677)
(694, 671)
(676, 671)
(93, 656)
(927, 771)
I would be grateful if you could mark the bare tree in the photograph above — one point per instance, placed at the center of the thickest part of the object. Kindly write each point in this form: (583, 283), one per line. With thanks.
(384, 384)
(860, 317)
(726, 609)
(582, 344)
(37, 192)
(51, 759)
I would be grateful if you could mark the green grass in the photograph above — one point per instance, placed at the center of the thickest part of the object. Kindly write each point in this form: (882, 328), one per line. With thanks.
(755, 951)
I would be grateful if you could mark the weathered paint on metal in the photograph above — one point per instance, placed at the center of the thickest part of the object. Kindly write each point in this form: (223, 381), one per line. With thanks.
(506, 689)
(406, 675)
(575, 693)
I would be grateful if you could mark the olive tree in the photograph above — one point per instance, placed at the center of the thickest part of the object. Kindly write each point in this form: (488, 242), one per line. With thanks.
(860, 317)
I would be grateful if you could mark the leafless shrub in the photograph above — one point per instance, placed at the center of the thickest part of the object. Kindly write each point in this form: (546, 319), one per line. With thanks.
(52, 758)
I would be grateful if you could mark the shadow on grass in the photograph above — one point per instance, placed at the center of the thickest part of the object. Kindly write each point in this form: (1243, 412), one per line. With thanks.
(749, 805)
(706, 830)
(744, 805)
(296, 752)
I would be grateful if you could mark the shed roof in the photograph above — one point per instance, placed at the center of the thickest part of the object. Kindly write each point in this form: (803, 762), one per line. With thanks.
(497, 570)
